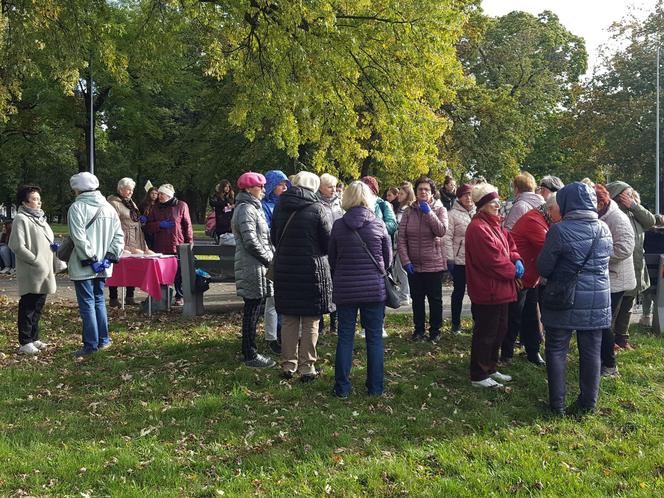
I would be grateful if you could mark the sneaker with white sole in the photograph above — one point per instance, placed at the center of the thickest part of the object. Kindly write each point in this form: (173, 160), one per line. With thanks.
(500, 377)
(40, 345)
(4, 271)
(28, 348)
(486, 383)
(12, 271)
(363, 333)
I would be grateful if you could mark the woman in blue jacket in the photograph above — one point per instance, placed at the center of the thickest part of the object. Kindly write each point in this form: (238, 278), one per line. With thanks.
(567, 245)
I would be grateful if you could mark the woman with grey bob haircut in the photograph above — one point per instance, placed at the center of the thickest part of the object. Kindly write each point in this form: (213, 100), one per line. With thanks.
(130, 221)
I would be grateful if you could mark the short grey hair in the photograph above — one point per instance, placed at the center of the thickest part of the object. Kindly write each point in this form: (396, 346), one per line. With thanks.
(328, 179)
(358, 194)
(551, 201)
(126, 182)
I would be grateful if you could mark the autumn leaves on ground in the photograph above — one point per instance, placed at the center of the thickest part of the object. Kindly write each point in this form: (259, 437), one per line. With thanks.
(170, 411)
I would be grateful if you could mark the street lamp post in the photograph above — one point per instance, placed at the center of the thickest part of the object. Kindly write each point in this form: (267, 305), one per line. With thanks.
(659, 43)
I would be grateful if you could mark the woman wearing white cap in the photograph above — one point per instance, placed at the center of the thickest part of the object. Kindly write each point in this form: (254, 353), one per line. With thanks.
(170, 224)
(94, 228)
(302, 281)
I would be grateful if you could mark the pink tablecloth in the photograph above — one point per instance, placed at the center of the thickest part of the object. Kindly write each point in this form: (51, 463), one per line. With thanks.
(148, 274)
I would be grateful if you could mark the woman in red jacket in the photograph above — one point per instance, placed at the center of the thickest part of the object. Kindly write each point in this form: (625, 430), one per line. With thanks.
(492, 265)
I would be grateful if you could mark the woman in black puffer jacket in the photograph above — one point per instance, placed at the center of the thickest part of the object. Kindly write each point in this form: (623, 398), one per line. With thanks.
(302, 282)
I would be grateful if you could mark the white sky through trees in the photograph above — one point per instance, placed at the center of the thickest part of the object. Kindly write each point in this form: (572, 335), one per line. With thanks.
(587, 18)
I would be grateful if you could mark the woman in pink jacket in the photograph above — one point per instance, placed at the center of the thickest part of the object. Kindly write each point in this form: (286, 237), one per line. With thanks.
(420, 246)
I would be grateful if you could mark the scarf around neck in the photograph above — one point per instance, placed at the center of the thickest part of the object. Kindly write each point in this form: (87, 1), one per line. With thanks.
(35, 213)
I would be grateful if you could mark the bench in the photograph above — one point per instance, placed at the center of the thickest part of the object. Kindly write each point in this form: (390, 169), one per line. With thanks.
(217, 260)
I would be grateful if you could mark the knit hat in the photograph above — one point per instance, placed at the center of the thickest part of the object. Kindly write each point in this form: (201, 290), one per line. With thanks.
(464, 189)
(371, 182)
(307, 180)
(616, 188)
(603, 196)
(553, 183)
(84, 182)
(250, 179)
(167, 189)
(484, 193)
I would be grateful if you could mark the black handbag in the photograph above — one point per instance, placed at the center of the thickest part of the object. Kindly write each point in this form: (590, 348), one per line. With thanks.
(67, 247)
(559, 295)
(393, 299)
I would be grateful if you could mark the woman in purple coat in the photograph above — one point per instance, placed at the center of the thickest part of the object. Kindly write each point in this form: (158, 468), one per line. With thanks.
(357, 240)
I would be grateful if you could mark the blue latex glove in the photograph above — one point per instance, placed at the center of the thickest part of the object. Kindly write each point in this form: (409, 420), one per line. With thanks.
(424, 206)
(166, 224)
(99, 266)
(143, 219)
(450, 265)
(55, 246)
(410, 269)
(520, 270)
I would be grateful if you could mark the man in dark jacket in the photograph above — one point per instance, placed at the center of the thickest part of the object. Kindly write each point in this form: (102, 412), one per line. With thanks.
(302, 281)
(580, 234)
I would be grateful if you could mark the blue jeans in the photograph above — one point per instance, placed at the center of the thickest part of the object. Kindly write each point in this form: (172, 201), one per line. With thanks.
(7, 256)
(92, 307)
(372, 316)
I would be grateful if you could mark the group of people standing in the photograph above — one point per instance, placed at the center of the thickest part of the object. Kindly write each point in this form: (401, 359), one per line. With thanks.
(564, 259)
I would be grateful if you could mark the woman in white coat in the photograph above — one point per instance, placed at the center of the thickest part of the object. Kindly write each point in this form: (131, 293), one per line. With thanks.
(32, 242)
(459, 217)
(621, 269)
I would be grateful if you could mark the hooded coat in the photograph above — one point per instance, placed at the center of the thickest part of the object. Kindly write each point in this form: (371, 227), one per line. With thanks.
(253, 251)
(356, 278)
(104, 237)
(302, 280)
(523, 203)
(384, 212)
(566, 246)
(31, 240)
(272, 179)
(166, 240)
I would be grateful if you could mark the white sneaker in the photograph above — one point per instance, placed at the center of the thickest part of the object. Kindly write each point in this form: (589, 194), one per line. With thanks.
(500, 377)
(488, 382)
(4, 271)
(40, 345)
(28, 348)
(12, 271)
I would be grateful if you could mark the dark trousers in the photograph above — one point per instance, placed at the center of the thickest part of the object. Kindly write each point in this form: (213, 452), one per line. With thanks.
(253, 309)
(524, 321)
(621, 320)
(113, 292)
(489, 329)
(608, 339)
(427, 285)
(557, 347)
(30, 308)
(456, 301)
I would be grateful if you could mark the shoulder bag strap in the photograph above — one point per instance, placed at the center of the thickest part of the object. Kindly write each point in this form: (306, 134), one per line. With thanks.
(592, 248)
(89, 224)
(284, 230)
(364, 245)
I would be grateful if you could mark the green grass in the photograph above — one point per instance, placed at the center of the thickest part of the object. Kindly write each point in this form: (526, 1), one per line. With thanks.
(170, 411)
(61, 230)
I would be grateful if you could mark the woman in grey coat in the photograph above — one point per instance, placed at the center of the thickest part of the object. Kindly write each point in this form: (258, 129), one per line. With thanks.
(32, 242)
(253, 254)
